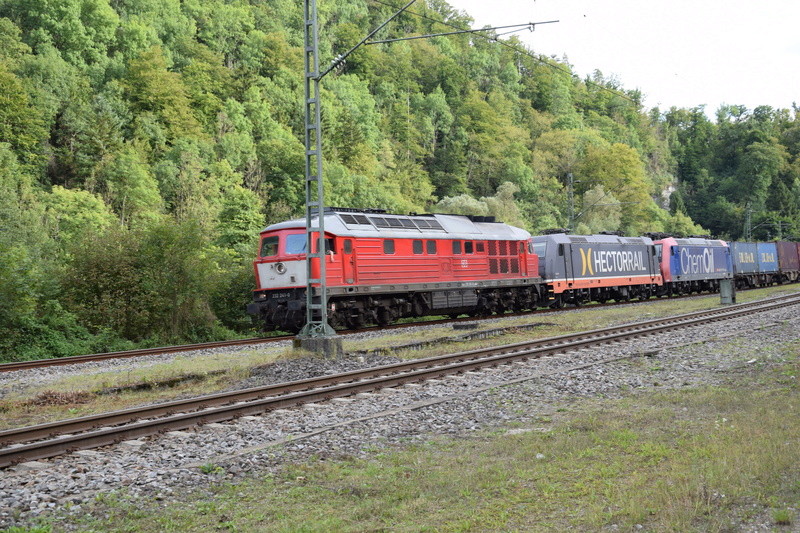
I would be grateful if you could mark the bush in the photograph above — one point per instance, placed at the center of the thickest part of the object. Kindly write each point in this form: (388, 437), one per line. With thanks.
(155, 283)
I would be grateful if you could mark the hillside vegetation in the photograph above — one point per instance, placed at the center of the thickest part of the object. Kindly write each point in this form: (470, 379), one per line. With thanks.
(144, 143)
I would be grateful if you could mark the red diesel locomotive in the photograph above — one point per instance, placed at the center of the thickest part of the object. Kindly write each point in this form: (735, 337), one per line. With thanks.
(381, 267)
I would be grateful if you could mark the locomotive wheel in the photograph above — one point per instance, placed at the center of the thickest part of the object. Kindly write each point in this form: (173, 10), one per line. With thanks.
(384, 316)
(356, 320)
(336, 320)
(418, 306)
(279, 318)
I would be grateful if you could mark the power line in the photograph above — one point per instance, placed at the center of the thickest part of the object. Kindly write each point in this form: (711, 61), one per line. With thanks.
(546, 62)
(527, 25)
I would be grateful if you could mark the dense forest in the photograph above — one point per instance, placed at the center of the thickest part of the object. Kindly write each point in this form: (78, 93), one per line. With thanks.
(144, 143)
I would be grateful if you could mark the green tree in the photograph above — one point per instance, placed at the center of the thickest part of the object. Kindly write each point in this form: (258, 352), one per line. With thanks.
(72, 214)
(11, 46)
(621, 172)
(158, 281)
(130, 188)
(600, 211)
(240, 218)
(153, 88)
(22, 125)
(82, 30)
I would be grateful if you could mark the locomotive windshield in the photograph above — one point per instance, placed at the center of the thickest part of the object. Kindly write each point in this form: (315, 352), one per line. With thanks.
(269, 246)
(296, 244)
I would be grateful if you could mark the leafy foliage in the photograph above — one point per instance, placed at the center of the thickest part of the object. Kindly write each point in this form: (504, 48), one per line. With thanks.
(143, 144)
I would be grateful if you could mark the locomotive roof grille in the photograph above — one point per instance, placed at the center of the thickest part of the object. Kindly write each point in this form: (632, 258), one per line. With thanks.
(389, 222)
(354, 219)
(360, 223)
(428, 224)
(379, 222)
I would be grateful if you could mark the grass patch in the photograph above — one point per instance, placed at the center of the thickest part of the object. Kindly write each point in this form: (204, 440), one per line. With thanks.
(703, 459)
(119, 389)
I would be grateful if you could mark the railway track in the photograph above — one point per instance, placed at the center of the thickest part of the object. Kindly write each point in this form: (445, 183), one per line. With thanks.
(48, 440)
(78, 359)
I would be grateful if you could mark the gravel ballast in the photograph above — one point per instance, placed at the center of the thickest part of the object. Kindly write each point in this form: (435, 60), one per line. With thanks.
(177, 462)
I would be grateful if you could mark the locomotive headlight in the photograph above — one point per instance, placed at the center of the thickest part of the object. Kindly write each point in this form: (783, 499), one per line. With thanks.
(280, 268)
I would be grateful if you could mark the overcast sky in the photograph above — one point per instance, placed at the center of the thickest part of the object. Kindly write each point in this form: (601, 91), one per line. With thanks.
(680, 53)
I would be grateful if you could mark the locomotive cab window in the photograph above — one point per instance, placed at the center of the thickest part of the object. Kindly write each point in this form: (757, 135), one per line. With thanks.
(430, 247)
(269, 246)
(417, 246)
(348, 246)
(388, 246)
(329, 246)
(468, 247)
(456, 247)
(295, 244)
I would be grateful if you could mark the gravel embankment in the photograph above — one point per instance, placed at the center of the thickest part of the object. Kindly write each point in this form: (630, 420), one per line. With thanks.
(171, 464)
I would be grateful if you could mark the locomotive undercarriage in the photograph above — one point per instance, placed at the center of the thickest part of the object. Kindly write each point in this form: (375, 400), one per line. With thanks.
(678, 288)
(578, 297)
(355, 312)
(286, 311)
(751, 281)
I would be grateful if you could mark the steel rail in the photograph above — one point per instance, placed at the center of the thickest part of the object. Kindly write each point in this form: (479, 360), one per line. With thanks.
(25, 434)
(261, 399)
(140, 352)
(77, 359)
